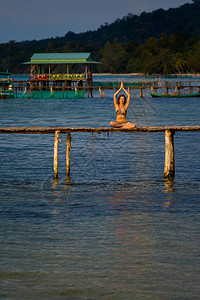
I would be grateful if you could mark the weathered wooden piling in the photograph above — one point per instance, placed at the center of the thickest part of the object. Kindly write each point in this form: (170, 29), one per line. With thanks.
(55, 159)
(68, 153)
(169, 169)
(155, 86)
(166, 88)
(141, 92)
(100, 92)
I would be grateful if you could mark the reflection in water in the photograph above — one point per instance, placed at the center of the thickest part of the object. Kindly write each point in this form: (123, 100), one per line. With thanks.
(60, 192)
(169, 185)
(54, 191)
(169, 190)
(55, 183)
(60, 188)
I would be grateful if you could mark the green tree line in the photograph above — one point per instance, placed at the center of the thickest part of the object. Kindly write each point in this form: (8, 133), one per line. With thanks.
(180, 53)
(149, 43)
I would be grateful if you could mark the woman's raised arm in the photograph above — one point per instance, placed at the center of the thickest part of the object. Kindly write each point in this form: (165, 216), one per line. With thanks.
(128, 96)
(115, 94)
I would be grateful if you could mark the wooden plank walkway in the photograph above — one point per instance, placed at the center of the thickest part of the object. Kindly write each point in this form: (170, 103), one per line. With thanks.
(169, 168)
(49, 130)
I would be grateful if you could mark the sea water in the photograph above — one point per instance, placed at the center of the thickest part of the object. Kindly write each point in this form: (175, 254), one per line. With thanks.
(115, 229)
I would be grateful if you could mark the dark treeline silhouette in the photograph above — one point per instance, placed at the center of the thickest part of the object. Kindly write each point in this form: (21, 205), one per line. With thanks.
(163, 41)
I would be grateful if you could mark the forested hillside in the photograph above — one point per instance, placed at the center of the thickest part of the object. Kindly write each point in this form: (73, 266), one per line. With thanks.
(164, 41)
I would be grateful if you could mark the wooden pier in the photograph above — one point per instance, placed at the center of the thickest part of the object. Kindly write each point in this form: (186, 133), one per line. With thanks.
(177, 87)
(28, 87)
(169, 167)
(166, 87)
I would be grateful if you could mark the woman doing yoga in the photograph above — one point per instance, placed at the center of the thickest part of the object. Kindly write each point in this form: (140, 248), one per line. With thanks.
(121, 106)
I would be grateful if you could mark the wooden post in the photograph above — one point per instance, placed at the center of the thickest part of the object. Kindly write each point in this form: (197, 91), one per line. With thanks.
(51, 92)
(166, 88)
(190, 88)
(49, 72)
(141, 92)
(55, 160)
(91, 90)
(100, 92)
(155, 85)
(88, 92)
(169, 169)
(68, 153)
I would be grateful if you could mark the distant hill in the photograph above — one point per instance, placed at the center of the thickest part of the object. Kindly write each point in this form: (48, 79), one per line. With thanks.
(185, 18)
(163, 41)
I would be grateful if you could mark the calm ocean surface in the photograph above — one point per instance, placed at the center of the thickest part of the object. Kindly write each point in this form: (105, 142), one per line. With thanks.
(115, 229)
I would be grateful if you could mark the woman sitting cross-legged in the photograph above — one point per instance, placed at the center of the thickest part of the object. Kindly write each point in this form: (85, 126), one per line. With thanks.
(121, 106)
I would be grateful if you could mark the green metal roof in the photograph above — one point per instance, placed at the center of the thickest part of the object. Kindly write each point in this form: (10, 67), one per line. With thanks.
(61, 58)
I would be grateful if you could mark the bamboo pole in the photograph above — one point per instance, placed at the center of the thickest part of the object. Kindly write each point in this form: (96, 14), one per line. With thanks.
(68, 153)
(169, 169)
(55, 160)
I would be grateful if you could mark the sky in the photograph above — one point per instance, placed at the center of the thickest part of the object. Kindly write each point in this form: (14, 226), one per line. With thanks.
(39, 19)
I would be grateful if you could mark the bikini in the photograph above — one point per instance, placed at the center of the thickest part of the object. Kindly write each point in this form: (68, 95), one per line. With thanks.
(121, 112)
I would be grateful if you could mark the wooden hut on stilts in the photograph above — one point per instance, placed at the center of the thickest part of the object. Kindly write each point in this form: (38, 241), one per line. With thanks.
(61, 75)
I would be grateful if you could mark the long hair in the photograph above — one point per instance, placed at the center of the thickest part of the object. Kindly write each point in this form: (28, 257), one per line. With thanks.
(120, 97)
